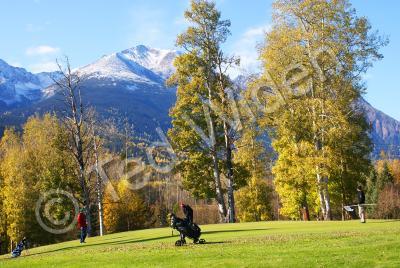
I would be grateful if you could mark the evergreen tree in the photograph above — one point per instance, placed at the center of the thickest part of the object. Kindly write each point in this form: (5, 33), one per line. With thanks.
(372, 187)
(384, 177)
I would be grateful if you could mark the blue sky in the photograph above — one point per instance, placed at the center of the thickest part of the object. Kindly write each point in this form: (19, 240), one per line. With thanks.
(35, 32)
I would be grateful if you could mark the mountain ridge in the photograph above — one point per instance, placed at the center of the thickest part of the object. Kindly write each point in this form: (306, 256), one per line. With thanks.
(131, 83)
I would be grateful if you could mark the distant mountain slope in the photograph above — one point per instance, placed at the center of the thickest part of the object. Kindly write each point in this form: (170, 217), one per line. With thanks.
(19, 87)
(128, 84)
(131, 84)
(385, 130)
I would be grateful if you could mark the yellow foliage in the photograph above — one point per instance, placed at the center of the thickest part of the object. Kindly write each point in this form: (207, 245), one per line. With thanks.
(126, 210)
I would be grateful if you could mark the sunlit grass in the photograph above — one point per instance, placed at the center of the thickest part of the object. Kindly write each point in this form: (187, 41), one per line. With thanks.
(301, 244)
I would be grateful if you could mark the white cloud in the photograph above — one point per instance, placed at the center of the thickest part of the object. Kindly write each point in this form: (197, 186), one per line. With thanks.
(44, 66)
(246, 48)
(42, 50)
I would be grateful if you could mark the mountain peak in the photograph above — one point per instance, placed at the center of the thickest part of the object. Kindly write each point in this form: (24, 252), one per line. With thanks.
(140, 63)
(142, 49)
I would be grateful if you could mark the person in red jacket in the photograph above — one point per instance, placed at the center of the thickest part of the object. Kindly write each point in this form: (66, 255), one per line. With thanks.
(82, 225)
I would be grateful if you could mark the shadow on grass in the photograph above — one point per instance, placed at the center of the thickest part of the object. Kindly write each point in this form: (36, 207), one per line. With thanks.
(384, 221)
(127, 241)
(113, 238)
(131, 241)
(216, 242)
(235, 231)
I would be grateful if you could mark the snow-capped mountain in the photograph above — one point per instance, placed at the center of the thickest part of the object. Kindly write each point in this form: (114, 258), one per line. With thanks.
(160, 61)
(20, 86)
(131, 85)
(139, 64)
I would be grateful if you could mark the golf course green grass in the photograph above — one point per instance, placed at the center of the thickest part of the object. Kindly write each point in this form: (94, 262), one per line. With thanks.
(262, 244)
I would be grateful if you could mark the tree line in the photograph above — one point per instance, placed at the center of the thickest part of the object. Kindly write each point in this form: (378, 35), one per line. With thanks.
(289, 143)
(306, 99)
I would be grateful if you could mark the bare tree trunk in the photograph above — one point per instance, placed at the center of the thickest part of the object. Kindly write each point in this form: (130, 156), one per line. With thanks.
(217, 176)
(344, 201)
(324, 197)
(321, 193)
(306, 211)
(228, 147)
(218, 189)
(328, 212)
(99, 185)
(229, 166)
(85, 189)
(70, 88)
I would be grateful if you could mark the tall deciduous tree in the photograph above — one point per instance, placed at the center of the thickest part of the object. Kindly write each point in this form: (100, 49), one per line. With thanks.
(77, 122)
(314, 57)
(32, 164)
(254, 202)
(202, 91)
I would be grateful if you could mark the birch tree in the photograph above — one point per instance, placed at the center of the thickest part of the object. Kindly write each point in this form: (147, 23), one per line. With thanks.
(202, 89)
(314, 58)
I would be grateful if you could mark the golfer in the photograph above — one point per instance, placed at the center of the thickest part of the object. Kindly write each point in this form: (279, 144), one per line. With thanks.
(188, 211)
(82, 225)
(361, 202)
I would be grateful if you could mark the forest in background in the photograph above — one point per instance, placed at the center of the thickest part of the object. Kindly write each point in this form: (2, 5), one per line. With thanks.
(215, 156)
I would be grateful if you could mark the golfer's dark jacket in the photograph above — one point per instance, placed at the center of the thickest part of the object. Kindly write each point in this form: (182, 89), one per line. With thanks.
(188, 211)
(361, 197)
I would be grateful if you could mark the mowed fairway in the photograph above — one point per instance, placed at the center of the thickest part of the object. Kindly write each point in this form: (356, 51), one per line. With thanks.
(264, 244)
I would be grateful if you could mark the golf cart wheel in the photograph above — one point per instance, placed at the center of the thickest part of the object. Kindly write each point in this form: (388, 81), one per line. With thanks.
(202, 241)
(178, 243)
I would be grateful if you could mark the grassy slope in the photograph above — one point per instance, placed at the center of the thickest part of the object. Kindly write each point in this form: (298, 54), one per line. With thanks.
(318, 244)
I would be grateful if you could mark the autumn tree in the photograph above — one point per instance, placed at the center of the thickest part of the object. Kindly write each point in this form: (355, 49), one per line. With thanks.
(33, 164)
(201, 132)
(128, 213)
(254, 201)
(313, 58)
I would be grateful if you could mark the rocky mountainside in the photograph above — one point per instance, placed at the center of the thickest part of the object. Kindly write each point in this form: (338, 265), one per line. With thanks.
(125, 86)
(385, 130)
(19, 87)
(130, 86)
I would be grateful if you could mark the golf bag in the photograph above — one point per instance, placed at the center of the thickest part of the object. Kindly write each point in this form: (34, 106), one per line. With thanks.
(20, 247)
(186, 229)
